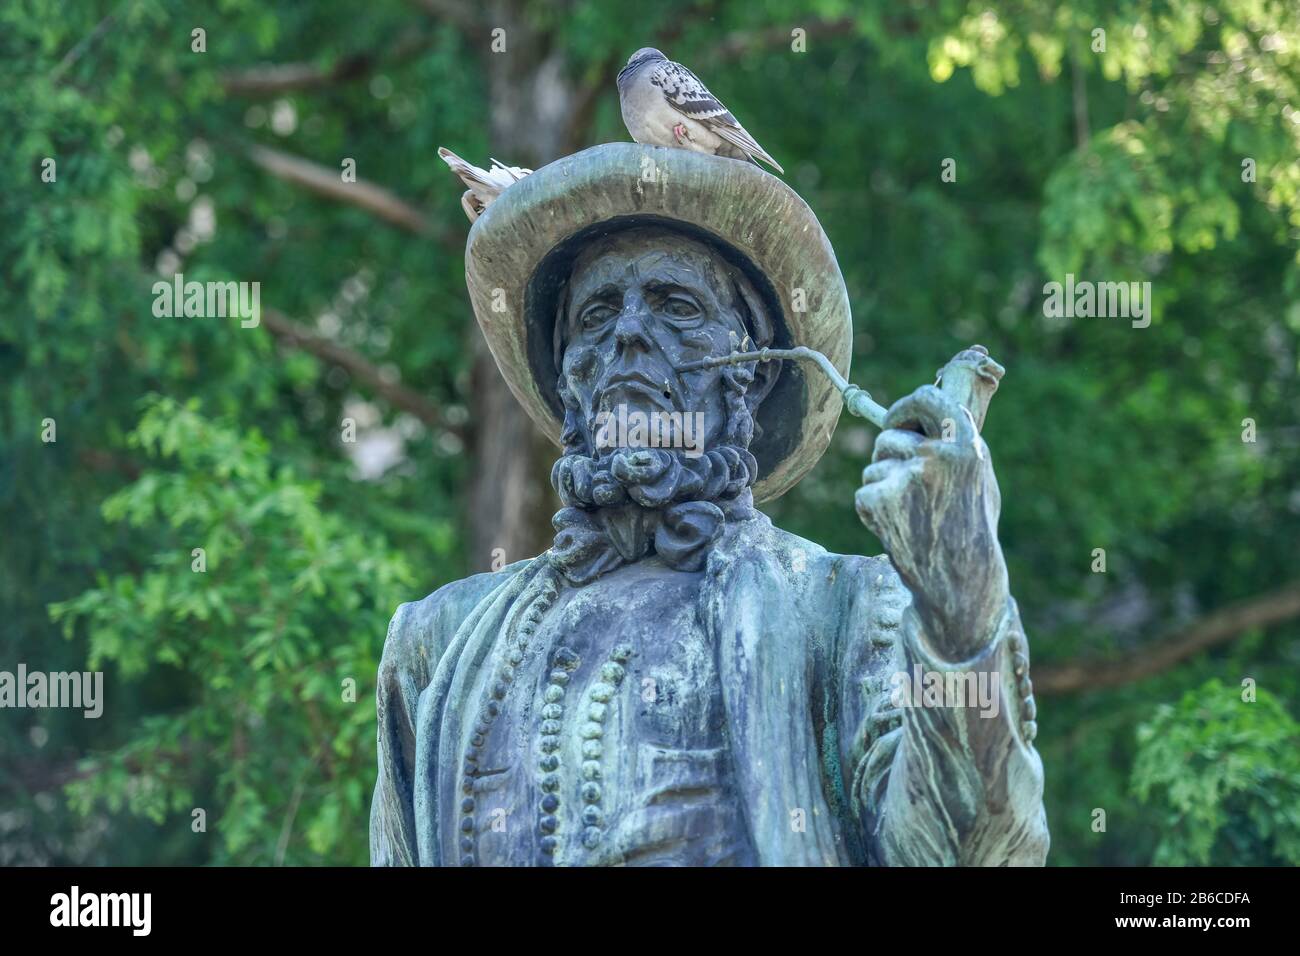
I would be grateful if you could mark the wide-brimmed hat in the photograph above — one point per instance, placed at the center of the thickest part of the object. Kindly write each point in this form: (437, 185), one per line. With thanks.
(521, 250)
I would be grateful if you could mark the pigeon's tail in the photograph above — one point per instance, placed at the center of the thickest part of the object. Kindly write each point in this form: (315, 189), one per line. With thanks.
(762, 154)
(739, 137)
(744, 155)
(469, 174)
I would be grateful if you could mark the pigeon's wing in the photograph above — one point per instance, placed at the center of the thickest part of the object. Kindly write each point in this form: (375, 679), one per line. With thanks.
(690, 97)
(509, 174)
(739, 137)
(484, 184)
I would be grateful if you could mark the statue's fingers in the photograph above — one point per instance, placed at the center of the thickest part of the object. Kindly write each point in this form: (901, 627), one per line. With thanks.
(867, 503)
(878, 471)
(878, 505)
(931, 412)
(896, 443)
(884, 490)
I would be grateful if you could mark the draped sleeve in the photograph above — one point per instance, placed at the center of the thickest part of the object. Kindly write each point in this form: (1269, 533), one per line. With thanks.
(418, 635)
(932, 782)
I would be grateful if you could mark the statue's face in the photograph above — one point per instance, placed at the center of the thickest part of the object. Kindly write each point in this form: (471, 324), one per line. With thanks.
(637, 309)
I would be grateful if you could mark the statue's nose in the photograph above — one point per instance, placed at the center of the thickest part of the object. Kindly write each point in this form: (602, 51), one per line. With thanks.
(633, 326)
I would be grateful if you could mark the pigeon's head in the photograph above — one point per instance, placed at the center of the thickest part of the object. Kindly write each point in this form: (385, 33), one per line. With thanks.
(643, 56)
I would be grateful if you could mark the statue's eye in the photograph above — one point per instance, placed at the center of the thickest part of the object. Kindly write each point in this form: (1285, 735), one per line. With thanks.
(594, 316)
(681, 307)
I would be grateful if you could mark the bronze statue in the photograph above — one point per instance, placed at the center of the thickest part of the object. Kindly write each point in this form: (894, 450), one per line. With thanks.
(676, 681)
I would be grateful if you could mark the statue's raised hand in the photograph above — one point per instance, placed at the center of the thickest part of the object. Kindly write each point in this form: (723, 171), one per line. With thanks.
(931, 496)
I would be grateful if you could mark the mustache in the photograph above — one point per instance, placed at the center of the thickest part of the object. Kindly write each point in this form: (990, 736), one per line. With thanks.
(582, 411)
(659, 389)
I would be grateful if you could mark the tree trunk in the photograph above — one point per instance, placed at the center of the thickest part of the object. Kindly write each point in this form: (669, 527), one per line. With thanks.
(511, 501)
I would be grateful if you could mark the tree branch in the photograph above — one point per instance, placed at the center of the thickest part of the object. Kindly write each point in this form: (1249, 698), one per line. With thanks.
(274, 79)
(79, 50)
(1219, 627)
(299, 336)
(459, 13)
(327, 182)
(1079, 98)
(100, 459)
(743, 41)
(583, 110)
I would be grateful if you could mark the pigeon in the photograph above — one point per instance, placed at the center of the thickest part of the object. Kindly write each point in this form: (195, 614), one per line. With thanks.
(484, 185)
(665, 104)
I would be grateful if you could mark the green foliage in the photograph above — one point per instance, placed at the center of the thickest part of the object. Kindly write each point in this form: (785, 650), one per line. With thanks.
(1224, 773)
(274, 627)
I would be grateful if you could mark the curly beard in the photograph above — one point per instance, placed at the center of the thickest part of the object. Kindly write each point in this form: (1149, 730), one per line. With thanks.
(653, 477)
(658, 477)
(623, 505)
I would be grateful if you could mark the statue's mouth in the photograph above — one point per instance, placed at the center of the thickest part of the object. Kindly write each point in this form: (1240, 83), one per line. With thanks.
(635, 388)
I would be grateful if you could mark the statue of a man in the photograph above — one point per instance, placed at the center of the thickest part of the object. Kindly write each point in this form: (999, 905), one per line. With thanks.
(676, 681)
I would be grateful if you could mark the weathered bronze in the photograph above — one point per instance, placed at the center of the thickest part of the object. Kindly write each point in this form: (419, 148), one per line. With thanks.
(676, 681)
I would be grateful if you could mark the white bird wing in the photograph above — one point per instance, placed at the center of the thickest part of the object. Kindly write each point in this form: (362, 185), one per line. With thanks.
(689, 96)
(508, 174)
(484, 185)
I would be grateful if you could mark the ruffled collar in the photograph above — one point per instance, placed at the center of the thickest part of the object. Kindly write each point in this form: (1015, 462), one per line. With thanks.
(592, 542)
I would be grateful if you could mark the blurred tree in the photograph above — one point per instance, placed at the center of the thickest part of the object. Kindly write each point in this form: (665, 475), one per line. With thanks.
(269, 625)
(1225, 769)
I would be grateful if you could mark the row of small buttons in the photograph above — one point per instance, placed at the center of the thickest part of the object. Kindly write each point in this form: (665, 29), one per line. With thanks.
(612, 673)
(564, 661)
(491, 707)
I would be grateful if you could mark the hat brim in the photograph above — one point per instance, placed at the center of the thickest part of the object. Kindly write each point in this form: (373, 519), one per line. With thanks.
(520, 250)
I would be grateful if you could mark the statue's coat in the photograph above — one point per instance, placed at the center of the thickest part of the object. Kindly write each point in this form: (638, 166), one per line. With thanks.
(806, 644)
